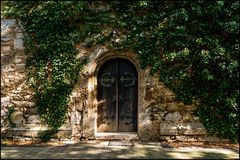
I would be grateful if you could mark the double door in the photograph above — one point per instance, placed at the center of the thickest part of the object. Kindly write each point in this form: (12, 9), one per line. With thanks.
(117, 96)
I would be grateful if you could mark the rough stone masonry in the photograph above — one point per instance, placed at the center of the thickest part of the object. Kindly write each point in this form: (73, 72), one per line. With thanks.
(160, 117)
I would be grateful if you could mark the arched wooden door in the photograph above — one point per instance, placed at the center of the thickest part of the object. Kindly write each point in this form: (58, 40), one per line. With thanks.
(117, 96)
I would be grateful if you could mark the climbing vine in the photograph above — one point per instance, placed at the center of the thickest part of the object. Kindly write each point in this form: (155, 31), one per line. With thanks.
(193, 45)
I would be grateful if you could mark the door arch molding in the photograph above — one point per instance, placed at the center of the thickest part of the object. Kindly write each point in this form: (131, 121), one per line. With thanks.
(96, 59)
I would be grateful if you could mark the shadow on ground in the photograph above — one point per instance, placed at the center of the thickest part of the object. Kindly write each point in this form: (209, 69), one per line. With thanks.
(101, 150)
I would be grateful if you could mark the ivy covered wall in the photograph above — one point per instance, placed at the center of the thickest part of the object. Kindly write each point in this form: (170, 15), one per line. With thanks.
(193, 46)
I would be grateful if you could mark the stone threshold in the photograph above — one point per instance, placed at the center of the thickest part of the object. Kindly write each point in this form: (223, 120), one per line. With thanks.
(123, 136)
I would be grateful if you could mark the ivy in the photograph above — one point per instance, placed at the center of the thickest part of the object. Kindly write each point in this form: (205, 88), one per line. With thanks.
(193, 45)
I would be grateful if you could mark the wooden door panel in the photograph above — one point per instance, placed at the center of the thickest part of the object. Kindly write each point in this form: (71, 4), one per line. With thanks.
(117, 97)
(127, 97)
(106, 121)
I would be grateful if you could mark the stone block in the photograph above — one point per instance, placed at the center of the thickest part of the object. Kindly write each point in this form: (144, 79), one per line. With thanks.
(161, 114)
(75, 117)
(20, 65)
(192, 129)
(173, 117)
(17, 118)
(7, 59)
(169, 99)
(7, 133)
(196, 118)
(224, 140)
(64, 134)
(19, 35)
(23, 103)
(172, 107)
(22, 133)
(5, 101)
(168, 128)
(186, 138)
(76, 130)
(150, 82)
(5, 48)
(89, 125)
(189, 108)
(8, 68)
(165, 138)
(17, 97)
(3, 112)
(7, 26)
(18, 44)
(187, 117)
(34, 119)
(31, 111)
(7, 23)
(18, 60)
(211, 139)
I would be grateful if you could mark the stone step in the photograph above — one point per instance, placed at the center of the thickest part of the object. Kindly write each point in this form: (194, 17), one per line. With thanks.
(123, 136)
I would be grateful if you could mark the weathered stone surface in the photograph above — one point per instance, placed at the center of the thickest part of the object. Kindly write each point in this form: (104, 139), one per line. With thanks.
(76, 131)
(31, 111)
(150, 82)
(4, 120)
(19, 35)
(6, 59)
(211, 139)
(7, 23)
(192, 129)
(196, 118)
(164, 138)
(169, 99)
(186, 138)
(161, 113)
(173, 117)
(23, 103)
(17, 118)
(66, 126)
(172, 107)
(4, 112)
(34, 119)
(6, 48)
(64, 134)
(8, 68)
(97, 52)
(187, 117)
(17, 97)
(7, 26)
(189, 108)
(145, 129)
(75, 117)
(22, 132)
(5, 101)
(168, 128)
(20, 65)
(18, 44)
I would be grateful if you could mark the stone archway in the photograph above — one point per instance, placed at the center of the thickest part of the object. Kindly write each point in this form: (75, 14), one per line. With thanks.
(97, 59)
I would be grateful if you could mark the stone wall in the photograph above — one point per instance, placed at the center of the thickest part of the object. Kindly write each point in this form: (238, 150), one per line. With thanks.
(160, 117)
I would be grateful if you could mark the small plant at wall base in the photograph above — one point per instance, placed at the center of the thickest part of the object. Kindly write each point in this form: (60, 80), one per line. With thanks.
(193, 45)
(10, 112)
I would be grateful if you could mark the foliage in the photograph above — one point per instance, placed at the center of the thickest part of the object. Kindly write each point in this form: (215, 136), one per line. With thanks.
(193, 45)
(10, 112)
(46, 135)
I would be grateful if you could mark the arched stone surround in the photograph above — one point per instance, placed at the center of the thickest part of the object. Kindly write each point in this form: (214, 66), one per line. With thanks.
(92, 69)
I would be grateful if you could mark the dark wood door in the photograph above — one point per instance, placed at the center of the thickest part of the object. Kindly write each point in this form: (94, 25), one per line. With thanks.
(117, 96)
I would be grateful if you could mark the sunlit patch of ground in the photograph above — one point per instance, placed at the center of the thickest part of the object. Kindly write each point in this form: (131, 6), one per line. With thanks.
(8, 142)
